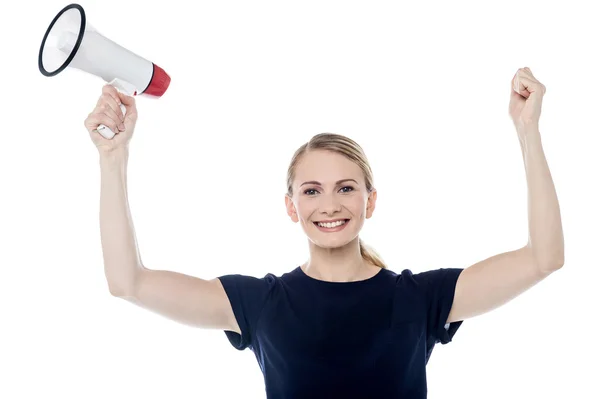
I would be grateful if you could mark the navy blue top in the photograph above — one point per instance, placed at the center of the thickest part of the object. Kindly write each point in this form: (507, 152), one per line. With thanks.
(359, 339)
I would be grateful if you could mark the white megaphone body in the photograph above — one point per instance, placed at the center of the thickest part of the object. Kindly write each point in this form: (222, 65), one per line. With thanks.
(72, 42)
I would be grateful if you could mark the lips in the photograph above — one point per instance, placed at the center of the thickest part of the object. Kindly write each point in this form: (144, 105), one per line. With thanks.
(332, 221)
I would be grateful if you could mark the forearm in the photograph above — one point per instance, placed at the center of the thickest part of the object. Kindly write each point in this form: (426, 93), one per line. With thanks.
(545, 227)
(119, 247)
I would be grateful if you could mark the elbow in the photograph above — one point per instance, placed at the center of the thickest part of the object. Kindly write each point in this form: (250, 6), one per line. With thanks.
(559, 263)
(120, 290)
(548, 261)
(558, 260)
(123, 285)
(117, 291)
(552, 265)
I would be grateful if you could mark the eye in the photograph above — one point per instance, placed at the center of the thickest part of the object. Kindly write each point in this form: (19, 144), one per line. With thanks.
(306, 192)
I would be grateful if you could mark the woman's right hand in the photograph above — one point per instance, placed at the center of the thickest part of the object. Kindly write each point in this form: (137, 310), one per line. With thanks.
(108, 112)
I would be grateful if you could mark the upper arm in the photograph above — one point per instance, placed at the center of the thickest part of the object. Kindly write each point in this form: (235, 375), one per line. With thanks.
(182, 298)
(494, 281)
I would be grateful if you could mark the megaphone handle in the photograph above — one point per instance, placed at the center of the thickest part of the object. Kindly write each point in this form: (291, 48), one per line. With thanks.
(122, 87)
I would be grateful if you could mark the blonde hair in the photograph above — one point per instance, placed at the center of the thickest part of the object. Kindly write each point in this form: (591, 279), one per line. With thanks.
(350, 149)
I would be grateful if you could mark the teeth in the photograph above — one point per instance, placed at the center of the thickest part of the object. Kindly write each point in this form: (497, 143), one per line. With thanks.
(332, 225)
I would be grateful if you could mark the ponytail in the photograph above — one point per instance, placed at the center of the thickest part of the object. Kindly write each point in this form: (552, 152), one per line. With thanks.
(370, 255)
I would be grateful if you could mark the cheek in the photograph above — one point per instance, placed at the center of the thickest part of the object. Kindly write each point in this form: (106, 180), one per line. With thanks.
(302, 213)
(304, 208)
(359, 206)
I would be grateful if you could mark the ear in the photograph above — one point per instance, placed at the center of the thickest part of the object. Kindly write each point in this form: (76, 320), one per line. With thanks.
(291, 209)
(371, 203)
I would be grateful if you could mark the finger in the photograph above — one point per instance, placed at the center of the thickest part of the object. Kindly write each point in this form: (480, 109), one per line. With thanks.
(518, 86)
(111, 91)
(107, 109)
(525, 70)
(528, 74)
(128, 101)
(539, 85)
(107, 101)
(96, 120)
(530, 85)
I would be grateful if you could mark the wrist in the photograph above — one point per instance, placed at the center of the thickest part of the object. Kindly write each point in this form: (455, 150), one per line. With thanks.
(529, 134)
(528, 128)
(117, 156)
(531, 143)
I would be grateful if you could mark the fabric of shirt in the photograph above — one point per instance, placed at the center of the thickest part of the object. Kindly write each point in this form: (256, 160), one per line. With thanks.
(360, 339)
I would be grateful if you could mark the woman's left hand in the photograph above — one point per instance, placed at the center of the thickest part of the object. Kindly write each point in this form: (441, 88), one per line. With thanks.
(526, 96)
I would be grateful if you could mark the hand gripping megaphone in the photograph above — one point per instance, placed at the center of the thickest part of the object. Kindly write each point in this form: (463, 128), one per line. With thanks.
(70, 41)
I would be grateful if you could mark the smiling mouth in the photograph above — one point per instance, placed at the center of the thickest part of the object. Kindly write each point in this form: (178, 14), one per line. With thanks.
(345, 221)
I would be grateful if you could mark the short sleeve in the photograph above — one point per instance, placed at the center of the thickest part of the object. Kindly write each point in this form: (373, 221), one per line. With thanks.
(439, 286)
(247, 295)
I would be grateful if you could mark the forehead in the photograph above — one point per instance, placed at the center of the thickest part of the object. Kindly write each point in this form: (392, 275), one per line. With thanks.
(326, 167)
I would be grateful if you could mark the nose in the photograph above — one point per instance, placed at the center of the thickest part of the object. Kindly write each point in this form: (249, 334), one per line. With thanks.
(330, 204)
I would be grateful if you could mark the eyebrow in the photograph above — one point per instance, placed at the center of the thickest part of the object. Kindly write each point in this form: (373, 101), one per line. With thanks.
(337, 182)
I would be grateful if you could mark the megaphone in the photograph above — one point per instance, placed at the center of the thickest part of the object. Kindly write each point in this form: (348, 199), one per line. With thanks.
(70, 41)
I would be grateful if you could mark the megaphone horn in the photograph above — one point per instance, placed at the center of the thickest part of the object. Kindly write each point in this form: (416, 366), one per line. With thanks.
(70, 41)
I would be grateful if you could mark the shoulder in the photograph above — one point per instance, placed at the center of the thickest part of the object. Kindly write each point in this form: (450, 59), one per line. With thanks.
(247, 282)
(249, 286)
(427, 278)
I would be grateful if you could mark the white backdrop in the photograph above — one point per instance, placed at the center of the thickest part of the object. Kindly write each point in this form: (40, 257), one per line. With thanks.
(423, 88)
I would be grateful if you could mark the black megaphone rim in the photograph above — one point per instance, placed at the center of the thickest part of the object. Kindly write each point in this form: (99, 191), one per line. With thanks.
(77, 44)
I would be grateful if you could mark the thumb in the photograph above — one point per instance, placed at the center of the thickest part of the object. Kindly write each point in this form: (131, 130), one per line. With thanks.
(522, 86)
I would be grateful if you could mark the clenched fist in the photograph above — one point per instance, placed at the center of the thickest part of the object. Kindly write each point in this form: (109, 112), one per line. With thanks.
(108, 112)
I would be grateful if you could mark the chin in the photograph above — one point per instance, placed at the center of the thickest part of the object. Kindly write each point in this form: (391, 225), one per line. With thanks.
(332, 242)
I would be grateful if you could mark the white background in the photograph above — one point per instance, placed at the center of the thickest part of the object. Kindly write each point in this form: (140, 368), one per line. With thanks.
(423, 88)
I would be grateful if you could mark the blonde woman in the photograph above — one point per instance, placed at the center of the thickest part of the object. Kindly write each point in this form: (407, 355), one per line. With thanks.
(342, 324)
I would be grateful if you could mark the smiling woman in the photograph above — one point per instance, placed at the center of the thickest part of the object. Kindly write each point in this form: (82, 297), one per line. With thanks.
(342, 324)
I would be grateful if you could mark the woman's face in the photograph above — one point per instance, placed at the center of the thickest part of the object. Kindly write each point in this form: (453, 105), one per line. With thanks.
(328, 186)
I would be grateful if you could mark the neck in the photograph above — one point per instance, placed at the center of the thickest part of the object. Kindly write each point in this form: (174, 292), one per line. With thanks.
(342, 264)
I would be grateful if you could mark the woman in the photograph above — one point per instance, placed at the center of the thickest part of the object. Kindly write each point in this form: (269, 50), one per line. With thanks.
(341, 324)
